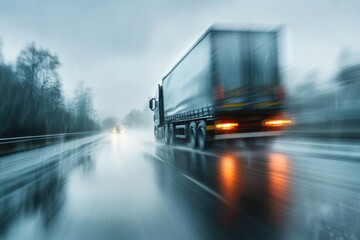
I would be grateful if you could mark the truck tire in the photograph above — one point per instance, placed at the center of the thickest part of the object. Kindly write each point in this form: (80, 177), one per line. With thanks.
(156, 134)
(192, 135)
(166, 135)
(202, 140)
(171, 135)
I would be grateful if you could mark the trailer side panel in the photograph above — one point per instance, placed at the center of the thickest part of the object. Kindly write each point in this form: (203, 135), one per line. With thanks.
(188, 87)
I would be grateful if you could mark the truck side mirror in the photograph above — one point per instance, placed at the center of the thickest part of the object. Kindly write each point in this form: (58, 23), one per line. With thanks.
(152, 104)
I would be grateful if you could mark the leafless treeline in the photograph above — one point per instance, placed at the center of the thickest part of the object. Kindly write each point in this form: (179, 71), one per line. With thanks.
(32, 101)
(332, 108)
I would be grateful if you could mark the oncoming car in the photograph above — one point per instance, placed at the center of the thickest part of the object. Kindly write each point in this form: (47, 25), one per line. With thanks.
(117, 130)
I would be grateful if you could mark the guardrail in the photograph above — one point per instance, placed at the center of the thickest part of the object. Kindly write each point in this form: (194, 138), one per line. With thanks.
(16, 144)
(40, 137)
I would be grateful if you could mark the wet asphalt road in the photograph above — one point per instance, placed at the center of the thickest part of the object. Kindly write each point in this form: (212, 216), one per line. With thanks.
(114, 186)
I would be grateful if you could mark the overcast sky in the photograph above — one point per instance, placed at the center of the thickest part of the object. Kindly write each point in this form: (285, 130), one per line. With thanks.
(121, 49)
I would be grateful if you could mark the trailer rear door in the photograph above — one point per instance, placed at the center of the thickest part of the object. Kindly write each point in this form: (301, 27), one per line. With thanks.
(245, 69)
(264, 73)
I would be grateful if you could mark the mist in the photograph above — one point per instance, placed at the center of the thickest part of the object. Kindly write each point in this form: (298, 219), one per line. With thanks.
(121, 50)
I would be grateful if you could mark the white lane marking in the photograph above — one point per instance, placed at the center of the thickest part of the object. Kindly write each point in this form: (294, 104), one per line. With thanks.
(195, 151)
(154, 156)
(187, 149)
(207, 189)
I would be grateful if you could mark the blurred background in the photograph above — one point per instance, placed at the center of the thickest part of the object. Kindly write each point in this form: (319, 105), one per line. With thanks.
(78, 159)
(102, 53)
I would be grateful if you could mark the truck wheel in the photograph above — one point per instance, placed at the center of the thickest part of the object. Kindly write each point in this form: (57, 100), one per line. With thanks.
(166, 137)
(171, 135)
(192, 135)
(201, 136)
(156, 134)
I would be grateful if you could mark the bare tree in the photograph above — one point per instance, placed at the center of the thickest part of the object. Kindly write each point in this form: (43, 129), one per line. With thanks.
(32, 101)
(11, 99)
(36, 69)
(83, 107)
(1, 55)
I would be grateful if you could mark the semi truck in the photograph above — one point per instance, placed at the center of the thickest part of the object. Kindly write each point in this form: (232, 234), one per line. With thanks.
(226, 87)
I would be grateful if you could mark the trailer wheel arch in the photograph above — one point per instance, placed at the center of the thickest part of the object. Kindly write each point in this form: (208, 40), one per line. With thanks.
(166, 134)
(192, 134)
(157, 136)
(201, 135)
(171, 134)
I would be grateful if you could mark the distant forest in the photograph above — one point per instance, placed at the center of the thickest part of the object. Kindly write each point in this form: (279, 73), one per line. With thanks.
(32, 100)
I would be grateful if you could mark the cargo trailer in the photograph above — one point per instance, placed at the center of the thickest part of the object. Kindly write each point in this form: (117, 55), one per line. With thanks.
(226, 87)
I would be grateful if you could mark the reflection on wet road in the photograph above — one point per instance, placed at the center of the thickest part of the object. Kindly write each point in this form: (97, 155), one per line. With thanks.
(120, 187)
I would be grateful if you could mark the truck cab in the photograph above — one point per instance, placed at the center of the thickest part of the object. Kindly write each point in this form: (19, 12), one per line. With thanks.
(157, 106)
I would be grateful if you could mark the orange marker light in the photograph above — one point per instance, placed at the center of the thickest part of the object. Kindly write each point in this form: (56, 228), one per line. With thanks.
(277, 123)
(226, 126)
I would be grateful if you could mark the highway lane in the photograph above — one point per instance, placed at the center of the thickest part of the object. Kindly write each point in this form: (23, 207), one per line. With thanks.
(114, 186)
